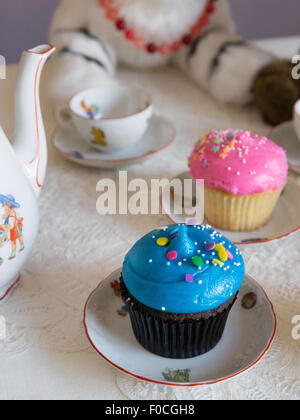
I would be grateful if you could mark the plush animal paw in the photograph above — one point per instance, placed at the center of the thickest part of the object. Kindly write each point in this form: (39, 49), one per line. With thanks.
(275, 92)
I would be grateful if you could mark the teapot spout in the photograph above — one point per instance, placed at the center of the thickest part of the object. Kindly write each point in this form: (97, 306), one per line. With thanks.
(30, 139)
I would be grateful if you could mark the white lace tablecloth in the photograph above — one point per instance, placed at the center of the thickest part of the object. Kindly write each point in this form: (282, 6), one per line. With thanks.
(46, 354)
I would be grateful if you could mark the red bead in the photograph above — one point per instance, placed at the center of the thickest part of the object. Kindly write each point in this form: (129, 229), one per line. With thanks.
(105, 3)
(196, 30)
(210, 8)
(203, 21)
(139, 43)
(164, 49)
(112, 14)
(121, 24)
(151, 48)
(130, 34)
(176, 46)
(187, 39)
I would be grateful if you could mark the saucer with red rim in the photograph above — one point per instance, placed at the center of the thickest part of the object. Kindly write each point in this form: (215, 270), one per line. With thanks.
(248, 335)
(284, 222)
(160, 135)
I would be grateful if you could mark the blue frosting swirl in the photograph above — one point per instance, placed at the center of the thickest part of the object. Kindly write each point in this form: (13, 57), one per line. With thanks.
(184, 284)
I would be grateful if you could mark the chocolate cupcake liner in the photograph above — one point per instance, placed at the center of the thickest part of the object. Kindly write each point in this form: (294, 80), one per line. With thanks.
(175, 339)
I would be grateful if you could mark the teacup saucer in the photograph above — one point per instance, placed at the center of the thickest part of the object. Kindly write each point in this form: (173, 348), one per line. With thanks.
(160, 135)
(109, 331)
(284, 222)
(285, 136)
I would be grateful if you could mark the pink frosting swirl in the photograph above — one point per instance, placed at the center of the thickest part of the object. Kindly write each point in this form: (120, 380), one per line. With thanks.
(239, 162)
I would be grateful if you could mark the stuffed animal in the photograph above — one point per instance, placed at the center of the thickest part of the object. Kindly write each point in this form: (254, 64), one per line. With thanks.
(93, 36)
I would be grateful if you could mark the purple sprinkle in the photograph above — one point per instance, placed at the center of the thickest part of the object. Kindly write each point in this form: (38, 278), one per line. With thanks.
(205, 164)
(189, 278)
(197, 148)
(175, 235)
(210, 246)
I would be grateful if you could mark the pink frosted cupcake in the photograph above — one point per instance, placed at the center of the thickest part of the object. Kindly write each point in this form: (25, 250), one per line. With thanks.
(244, 175)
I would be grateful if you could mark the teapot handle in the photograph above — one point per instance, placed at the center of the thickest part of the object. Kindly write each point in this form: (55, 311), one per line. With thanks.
(64, 118)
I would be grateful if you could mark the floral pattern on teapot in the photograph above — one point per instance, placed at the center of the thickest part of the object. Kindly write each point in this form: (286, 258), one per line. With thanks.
(11, 225)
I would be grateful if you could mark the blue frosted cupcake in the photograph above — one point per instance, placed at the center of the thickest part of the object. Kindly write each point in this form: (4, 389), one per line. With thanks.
(179, 284)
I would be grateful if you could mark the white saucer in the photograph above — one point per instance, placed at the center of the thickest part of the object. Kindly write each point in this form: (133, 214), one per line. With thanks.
(248, 335)
(285, 136)
(160, 135)
(285, 220)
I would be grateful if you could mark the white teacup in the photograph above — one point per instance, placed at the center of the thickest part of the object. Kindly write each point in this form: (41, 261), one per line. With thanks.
(297, 118)
(110, 118)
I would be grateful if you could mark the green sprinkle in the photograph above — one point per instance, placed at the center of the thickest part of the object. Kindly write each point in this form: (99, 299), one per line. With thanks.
(197, 261)
(231, 134)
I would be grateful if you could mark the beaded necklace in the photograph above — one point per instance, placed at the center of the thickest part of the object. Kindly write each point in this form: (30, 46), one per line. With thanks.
(112, 14)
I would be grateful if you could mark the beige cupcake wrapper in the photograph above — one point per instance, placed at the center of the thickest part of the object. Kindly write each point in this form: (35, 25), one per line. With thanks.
(239, 213)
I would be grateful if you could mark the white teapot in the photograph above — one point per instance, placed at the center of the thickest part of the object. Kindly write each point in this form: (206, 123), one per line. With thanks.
(22, 168)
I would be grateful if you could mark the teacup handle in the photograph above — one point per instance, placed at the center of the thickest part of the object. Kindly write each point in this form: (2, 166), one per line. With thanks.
(63, 117)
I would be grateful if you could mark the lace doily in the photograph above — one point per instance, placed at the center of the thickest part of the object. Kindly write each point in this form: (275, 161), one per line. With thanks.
(77, 248)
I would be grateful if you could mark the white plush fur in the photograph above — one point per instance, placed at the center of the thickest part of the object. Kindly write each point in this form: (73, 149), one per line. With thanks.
(158, 21)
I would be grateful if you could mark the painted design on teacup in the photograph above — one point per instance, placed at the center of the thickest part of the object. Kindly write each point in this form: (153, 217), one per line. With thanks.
(178, 376)
(123, 312)
(99, 137)
(77, 155)
(11, 226)
(91, 111)
(249, 300)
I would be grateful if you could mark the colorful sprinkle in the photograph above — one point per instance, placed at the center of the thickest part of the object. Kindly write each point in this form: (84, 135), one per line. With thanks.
(215, 149)
(231, 134)
(223, 255)
(172, 255)
(218, 262)
(162, 241)
(189, 278)
(230, 256)
(197, 261)
(210, 246)
(219, 247)
(205, 164)
(175, 235)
